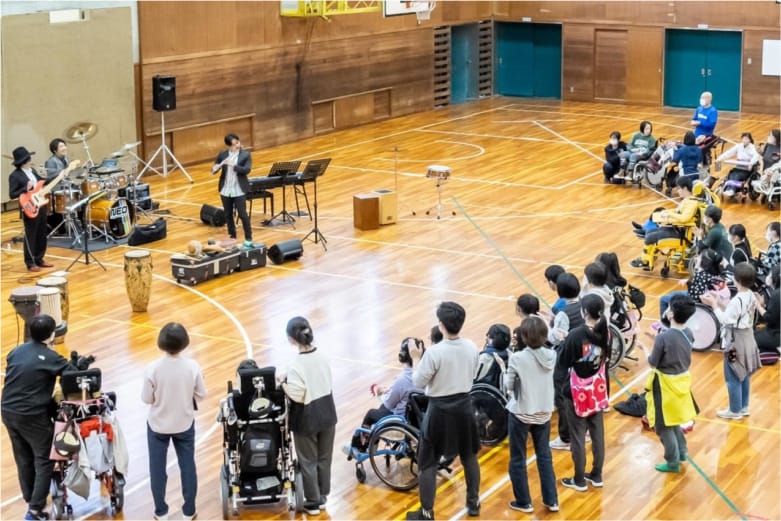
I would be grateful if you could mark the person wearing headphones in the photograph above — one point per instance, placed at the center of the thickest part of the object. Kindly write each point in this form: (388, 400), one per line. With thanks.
(394, 398)
(234, 165)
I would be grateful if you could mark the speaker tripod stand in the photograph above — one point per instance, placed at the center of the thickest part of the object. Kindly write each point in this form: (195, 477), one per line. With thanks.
(85, 231)
(166, 153)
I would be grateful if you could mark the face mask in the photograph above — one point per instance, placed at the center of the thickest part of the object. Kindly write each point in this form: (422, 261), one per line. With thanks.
(769, 237)
(703, 101)
(614, 142)
(771, 140)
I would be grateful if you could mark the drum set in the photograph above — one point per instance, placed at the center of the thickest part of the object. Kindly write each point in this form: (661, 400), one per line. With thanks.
(99, 198)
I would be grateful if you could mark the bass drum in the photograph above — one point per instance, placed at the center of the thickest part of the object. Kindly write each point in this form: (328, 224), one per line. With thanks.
(705, 327)
(116, 215)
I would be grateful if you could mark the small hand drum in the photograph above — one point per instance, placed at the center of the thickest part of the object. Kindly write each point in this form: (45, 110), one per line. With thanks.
(438, 172)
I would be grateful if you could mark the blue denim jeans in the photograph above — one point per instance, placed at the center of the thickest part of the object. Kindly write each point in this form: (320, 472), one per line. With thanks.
(184, 444)
(737, 391)
(664, 301)
(518, 431)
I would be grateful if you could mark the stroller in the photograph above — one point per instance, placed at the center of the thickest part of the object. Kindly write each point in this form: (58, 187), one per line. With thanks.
(87, 440)
(258, 457)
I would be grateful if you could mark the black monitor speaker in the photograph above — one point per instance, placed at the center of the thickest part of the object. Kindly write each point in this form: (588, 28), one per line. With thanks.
(163, 93)
(286, 251)
(212, 215)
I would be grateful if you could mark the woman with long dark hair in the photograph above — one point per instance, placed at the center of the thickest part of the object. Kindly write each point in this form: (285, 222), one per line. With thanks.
(584, 356)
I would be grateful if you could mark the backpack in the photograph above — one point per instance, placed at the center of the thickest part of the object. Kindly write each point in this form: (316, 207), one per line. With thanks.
(634, 406)
(589, 395)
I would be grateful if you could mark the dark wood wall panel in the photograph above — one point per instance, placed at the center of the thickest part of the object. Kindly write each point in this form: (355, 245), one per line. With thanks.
(645, 55)
(577, 62)
(610, 62)
(279, 84)
(760, 93)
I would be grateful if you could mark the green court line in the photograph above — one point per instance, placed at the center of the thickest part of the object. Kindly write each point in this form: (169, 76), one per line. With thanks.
(500, 252)
(620, 384)
(716, 488)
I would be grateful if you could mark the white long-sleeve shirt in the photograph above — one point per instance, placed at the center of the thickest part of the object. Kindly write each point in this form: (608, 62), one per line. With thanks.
(744, 154)
(172, 386)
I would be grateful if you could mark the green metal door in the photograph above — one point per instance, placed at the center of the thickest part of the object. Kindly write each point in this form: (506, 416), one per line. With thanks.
(528, 59)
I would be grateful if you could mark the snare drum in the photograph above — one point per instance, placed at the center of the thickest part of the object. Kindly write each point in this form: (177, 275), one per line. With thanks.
(25, 301)
(65, 198)
(438, 172)
(116, 215)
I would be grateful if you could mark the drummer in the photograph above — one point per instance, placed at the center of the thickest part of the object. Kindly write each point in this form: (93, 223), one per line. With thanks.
(59, 158)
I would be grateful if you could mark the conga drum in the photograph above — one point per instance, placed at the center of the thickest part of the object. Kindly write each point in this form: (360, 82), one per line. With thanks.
(49, 299)
(61, 283)
(138, 278)
(25, 301)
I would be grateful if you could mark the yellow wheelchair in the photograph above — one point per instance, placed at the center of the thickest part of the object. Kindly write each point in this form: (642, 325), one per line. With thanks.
(678, 246)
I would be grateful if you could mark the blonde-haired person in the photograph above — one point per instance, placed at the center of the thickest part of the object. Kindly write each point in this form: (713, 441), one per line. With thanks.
(309, 385)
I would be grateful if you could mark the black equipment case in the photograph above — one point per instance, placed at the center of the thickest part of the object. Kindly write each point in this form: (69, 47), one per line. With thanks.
(193, 270)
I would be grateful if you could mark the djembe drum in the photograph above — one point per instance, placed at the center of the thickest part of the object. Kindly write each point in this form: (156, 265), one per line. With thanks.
(138, 278)
(49, 299)
(61, 283)
(25, 302)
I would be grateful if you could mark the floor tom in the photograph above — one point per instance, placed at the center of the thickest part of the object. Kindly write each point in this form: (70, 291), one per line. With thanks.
(64, 198)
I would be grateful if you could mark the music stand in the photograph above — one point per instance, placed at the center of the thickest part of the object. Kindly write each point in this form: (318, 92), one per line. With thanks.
(283, 169)
(85, 229)
(313, 170)
(163, 148)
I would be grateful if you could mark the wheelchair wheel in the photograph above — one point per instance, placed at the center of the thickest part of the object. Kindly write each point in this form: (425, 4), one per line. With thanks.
(705, 327)
(491, 416)
(225, 492)
(393, 449)
(654, 179)
(58, 507)
(117, 495)
(752, 192)
(617, 347)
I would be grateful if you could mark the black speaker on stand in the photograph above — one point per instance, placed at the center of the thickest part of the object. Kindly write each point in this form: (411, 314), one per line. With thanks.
(286, 251)
(163, 93)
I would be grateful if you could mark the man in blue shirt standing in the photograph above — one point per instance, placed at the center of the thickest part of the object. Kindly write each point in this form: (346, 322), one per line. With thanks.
(705, 118)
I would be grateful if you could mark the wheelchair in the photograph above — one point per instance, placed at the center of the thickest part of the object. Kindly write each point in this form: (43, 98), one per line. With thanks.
(705, 327)
(392, 447)
(739, 189)
(625, 318)
(259, 466)
(768, 192)
(83, 410)
(654, 169)
(679, 251)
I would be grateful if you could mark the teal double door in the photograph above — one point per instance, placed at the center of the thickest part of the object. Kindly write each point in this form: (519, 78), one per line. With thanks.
(527, 59)
(464, 63)
(697, 61)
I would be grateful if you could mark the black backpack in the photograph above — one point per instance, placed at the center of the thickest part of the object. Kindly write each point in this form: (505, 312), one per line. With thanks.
(144, 233)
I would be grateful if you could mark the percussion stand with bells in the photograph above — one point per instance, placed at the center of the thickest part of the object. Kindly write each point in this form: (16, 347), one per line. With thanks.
(80, 133)
(85, 244)
(166, 152)
(441, 174)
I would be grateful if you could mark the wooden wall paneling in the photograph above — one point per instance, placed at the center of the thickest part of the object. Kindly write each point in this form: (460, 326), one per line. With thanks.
(578, 62)
(734, 14)
(610, 63)
(354, 110)
(464, 11)
(323, 116)
(203, 142)
(758, 93)
(645, 55)
(383, 104)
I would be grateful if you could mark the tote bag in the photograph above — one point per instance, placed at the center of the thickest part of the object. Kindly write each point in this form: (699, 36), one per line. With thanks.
(589, 395)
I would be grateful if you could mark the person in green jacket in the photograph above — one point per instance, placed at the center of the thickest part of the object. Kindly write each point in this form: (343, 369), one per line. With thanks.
(640, 147)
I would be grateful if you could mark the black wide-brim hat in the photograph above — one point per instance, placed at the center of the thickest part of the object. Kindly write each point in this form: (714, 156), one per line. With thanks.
(21, 156)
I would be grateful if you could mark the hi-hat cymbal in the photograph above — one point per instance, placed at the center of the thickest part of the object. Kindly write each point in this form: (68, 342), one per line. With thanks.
(80, 131)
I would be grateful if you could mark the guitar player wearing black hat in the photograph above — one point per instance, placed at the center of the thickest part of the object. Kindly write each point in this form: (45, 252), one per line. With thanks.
(24, 180)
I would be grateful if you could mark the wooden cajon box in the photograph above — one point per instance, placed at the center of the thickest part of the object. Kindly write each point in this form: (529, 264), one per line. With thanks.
(366, 211)
(388, 206)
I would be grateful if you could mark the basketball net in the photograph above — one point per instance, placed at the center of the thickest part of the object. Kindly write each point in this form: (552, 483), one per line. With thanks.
(425, 14)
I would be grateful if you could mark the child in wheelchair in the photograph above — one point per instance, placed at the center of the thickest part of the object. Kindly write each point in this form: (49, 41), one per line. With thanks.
(492, 361)
(745, 160)
(393, 398)
(688, 158)
(768, 185)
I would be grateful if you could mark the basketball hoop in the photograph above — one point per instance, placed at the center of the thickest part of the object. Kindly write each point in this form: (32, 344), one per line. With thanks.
(424, 13)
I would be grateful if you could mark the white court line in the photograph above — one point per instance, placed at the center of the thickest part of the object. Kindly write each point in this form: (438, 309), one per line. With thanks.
(504, 480)
(534, 120)
(248, 351)
(568, 141)
(501, 136)
(480, 152)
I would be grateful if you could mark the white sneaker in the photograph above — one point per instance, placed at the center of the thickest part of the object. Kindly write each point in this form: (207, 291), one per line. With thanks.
(619, 176)
(744, 411)
(729, 192)
(557, 444)
(728, 415)
(189, 518)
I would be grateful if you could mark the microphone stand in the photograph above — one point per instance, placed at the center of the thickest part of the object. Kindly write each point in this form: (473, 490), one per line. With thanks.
(85, 229)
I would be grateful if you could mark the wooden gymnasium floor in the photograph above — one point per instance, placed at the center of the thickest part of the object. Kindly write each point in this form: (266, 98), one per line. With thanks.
(527, 189)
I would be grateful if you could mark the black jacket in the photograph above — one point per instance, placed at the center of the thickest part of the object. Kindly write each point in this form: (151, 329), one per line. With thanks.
(242, 169)
(31, 372)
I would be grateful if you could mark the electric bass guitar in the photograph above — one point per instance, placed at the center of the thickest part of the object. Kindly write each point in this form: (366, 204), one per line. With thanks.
(32, 200)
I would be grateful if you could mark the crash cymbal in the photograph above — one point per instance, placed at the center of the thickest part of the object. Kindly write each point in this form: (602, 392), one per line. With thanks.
(80, 131)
